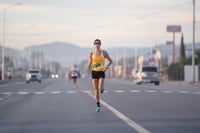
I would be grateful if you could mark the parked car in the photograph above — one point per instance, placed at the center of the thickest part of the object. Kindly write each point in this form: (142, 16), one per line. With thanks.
(148, 74)
(33, 75)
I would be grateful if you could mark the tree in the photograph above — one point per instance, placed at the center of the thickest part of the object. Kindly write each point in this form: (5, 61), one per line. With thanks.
(176, 70)
(182, 51)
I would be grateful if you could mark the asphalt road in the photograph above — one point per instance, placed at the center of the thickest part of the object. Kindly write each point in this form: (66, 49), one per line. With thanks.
(55, 106)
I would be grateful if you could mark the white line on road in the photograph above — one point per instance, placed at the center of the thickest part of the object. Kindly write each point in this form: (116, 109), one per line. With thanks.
(6, 93)
(22, 93)
(167, 92)
(135, 91)
(1, 98)
(87, 92)
(55, 92)
(39, 92)
(71, 92)
(118, 91)
(124, 118)
(184, 92)
(128, 121)
(105, 91)
(4, 85)
(150, 91)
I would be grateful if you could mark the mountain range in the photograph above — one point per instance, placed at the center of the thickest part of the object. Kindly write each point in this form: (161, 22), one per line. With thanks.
(68, 54)
(64, 53)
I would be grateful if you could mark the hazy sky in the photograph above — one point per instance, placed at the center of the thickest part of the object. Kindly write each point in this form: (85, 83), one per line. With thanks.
(133, 23)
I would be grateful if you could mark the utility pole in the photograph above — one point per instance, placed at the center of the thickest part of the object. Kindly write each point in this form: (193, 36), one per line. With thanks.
(4, 37)
(193, 45)
(124, 64)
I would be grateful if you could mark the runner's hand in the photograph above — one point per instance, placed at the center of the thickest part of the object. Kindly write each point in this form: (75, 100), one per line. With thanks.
(106, 68)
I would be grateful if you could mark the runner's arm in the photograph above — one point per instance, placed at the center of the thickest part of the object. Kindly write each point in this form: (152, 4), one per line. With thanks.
(89, 60)
(106, 55)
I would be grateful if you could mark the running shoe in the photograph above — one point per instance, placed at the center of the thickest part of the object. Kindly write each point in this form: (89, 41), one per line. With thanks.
(102, 90)
(98, 109)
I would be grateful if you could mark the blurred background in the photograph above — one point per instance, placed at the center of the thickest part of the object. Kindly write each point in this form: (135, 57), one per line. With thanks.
(54, 35)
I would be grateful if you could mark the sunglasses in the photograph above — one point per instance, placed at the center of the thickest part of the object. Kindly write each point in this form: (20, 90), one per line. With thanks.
(97, 43)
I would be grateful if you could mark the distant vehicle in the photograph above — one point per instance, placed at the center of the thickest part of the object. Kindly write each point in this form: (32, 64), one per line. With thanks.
(54, 76)
(148, 74)
(33, 75)
(9, 75)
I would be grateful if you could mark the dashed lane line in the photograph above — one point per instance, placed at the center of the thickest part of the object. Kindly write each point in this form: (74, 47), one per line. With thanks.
(89, 91)
(23, 93)
(4, 85)
(39, 92)
(55, 92)
(183, 92)
(135, 91)
(119, 91)
(6, 93)
(167, 92)
(150, 91)
(71, 92)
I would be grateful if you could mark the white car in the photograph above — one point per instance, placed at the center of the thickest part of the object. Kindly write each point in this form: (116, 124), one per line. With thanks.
(148, 74)
(33, 75)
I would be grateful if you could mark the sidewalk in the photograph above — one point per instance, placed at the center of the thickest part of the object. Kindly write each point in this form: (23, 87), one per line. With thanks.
(6, 81)
(186, 82)
(195, 83)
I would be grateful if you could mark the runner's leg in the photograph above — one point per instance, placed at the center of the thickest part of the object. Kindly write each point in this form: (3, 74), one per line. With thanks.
(101, 85)
(95, 83)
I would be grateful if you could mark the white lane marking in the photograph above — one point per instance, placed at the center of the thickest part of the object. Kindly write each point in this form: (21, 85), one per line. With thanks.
(39, 92)
(118, 91)
(6, 93)
(1, 98)
(105, 91)
(87, 91)
(134, 91)
(4, 85)
(167, 92)
(184, 92)
(71, 92)
(55, 92)
(22, 93)
(124, 118)
(150, 91)
(128, 121)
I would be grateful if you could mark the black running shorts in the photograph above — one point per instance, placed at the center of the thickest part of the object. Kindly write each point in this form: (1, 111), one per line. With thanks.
(98, 74)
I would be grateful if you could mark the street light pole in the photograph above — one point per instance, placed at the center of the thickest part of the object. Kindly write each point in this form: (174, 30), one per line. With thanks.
(193, 45)
(4, 38)
(3, 43)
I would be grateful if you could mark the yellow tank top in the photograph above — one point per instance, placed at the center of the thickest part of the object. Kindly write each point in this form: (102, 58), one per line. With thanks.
(98, 62)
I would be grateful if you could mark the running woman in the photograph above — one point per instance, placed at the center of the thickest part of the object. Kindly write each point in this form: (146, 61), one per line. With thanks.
(96, 62)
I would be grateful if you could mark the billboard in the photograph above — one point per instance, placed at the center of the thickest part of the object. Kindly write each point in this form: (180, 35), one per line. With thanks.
(173, 28)
(169, 42)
